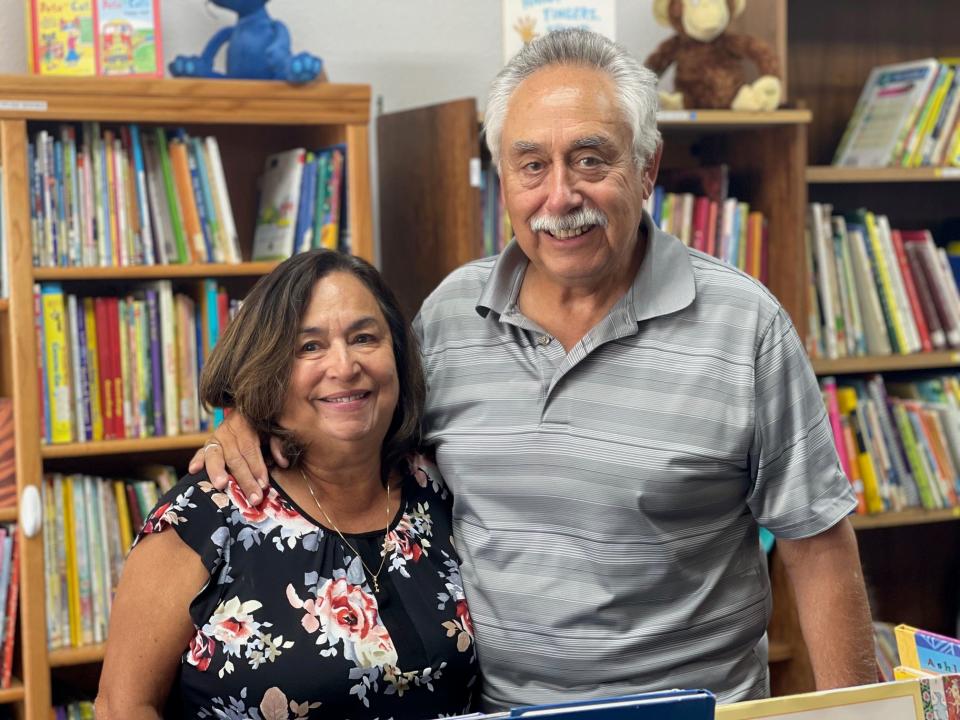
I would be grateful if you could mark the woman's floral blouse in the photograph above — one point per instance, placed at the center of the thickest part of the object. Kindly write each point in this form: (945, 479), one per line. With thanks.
(288, 625)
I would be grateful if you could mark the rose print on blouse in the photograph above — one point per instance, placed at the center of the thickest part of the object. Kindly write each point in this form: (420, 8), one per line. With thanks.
(273, 706)
(239, 634)
(272, 516)
(426, 473)
(169, 513)
(409, 540)
(462, 626)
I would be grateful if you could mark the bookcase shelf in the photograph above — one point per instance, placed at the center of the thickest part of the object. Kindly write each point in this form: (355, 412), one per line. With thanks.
(830, 175)
(729, 119)
(4, 304)
(155, 272)
(251, 120)
(913, 516)
(8, 514)
(120, 447)
(84, 655)
(12, 694)
(887, 363)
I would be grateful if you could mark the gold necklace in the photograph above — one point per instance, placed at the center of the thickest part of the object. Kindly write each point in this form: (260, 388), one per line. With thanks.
(383, 553)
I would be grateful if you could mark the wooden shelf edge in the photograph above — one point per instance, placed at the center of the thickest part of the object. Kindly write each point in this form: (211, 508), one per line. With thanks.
(779, 651)
(14, 693)
(8, 514)
(886, 363)
(153, 272)
(913, 516)
(829, 174)
(4, 304)
(119, 447)
(731, 119)
(85, 655)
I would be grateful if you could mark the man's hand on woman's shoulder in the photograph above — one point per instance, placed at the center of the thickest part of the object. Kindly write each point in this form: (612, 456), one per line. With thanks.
(234, 450)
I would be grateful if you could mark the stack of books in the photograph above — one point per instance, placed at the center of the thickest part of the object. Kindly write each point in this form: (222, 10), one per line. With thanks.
(875, 290)
(92, 524)
(119, 197)
(908, 115)
(125, 367)
(898, 442)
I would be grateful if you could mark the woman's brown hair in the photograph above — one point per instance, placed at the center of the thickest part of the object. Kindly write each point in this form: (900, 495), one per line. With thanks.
(249, 368)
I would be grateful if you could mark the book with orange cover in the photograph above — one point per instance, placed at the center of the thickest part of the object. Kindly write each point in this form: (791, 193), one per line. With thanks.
(188, 204)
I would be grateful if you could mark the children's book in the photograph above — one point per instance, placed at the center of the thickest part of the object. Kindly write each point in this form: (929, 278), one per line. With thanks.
(927, 651)
(885, 113)
(128, 37)
(273, 238)
(61, 37)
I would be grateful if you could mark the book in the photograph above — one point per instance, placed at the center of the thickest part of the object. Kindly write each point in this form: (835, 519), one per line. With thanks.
(273, 237)
(884, 113)
(12, 596)
(129, 38)
(61, 37)
(8, 477)
(931, 652)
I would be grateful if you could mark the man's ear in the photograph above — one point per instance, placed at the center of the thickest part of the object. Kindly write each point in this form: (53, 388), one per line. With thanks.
(650, 171)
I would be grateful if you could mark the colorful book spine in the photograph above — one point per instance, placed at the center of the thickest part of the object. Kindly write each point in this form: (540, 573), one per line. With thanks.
(57, 363)
(922, 650)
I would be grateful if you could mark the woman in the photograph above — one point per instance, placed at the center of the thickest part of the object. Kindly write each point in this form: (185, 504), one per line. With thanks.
(339, 594)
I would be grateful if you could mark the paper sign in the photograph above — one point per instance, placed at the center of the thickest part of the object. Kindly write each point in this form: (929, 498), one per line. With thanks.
(524, 20)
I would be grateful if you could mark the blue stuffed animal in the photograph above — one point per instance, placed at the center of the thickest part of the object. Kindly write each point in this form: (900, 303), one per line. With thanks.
(259, 49)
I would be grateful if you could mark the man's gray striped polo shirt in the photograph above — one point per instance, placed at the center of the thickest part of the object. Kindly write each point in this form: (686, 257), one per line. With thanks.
(606, 501)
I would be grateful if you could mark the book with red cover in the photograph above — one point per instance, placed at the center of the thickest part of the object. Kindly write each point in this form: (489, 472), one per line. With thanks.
(896, 240)
(937, 337)
(11, 617)
(925, 253)
(106, 356)
(8, 477)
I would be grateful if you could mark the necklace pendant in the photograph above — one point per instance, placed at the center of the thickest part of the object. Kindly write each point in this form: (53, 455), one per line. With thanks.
(376, 585)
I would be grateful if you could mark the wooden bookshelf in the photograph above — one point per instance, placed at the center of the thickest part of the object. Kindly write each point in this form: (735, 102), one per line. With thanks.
(154, 272)
(730, 119)
(251, 120)
(120, 447)
(84, 655)
(8, 514)
(4, 304)
(12, 694)
(887, 363)
(830, 175)
(913, 516)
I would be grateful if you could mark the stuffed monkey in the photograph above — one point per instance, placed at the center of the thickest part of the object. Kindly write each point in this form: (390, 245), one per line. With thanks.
(709, 69)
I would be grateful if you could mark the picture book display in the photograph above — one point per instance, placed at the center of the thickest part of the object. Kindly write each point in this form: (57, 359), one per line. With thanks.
(94, 37)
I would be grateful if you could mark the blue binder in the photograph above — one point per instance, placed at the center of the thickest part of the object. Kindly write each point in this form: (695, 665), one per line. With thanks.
(666, 705)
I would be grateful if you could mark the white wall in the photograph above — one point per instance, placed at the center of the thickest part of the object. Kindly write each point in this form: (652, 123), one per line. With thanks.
(412, 52)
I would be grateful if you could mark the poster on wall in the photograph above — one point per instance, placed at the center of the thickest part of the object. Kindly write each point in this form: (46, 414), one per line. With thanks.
(524, 20)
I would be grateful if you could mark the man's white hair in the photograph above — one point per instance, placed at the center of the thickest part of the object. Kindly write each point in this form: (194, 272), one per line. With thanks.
(636, 86)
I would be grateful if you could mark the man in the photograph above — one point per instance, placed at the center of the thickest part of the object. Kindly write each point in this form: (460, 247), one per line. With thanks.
(616, 414)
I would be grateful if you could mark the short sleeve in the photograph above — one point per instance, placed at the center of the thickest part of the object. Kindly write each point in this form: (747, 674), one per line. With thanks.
(190, 508)
(799, 489)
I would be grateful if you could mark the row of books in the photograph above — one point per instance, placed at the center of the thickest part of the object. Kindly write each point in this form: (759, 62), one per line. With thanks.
(125, 367)
(91, 527)
(77, 710)
(730, 231)
(94, 37)
(875, 290)
(898, 442)
(497, 230)
(302, 203)
(908, 115)
(9, 594)
(125, 196)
